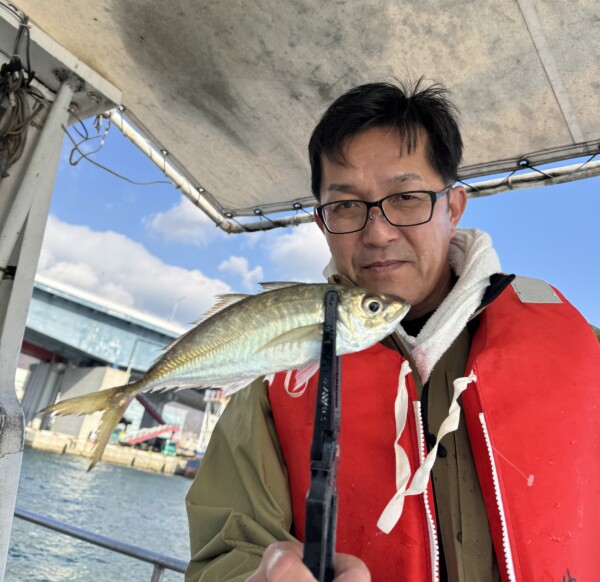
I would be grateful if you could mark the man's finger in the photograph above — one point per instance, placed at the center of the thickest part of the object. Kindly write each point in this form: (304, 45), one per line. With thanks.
(282, 562)
(350, 569)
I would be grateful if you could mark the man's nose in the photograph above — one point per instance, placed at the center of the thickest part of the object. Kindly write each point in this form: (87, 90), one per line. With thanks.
(378, 229)
(376, 211)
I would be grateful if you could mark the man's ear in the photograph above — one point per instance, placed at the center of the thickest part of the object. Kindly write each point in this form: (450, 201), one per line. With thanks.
(318, 220)
(457, 202)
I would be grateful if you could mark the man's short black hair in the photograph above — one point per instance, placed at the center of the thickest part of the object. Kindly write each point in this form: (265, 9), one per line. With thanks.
(410, 109)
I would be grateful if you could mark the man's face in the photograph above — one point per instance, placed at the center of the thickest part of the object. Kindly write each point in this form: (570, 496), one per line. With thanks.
(412, 261)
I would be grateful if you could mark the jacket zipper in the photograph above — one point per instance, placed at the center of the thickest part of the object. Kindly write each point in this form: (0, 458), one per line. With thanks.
(510, 567)
(433, 538)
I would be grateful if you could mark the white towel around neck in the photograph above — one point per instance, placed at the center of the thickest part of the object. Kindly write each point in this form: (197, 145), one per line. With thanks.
(473, 260)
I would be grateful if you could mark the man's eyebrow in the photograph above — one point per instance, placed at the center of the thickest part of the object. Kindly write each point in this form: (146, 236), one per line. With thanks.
(348, 188)
(405, 177)
(398, 179)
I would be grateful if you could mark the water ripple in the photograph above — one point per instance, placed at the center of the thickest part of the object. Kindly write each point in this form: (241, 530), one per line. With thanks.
(145, 509)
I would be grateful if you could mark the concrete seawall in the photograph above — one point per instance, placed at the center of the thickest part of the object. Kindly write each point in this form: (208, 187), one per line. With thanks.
(127, 456)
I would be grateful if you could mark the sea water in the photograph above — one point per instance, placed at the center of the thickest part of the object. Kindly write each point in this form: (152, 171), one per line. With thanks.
(141, 508)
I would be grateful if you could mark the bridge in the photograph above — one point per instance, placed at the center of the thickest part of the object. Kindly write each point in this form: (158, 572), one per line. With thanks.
(85, 343)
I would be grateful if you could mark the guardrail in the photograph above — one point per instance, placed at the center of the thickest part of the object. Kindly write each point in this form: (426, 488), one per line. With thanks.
(161, 561)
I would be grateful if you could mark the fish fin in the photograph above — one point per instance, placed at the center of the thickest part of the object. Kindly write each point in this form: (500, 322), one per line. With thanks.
(236, 385)
(273, 285)
(110, 418)
(112, 403)
(286, 382)
(303, 375)
(312, 332)
(85, 404)
(223, 301)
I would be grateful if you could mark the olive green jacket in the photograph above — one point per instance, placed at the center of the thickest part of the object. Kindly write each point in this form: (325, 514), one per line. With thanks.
(239, 502)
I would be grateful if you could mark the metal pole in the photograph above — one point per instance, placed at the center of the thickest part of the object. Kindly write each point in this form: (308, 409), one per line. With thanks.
(160, 561)
(180, 181)
(157, 573)
(20, 243)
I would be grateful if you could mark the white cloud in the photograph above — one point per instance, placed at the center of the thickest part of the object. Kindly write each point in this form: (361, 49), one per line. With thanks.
(300, 254)
(184, 223)
(239, 266)
(70, 272)
(121, 270)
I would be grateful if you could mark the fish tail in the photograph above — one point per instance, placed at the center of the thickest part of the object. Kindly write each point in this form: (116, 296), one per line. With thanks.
(110, 418)
(112, 403)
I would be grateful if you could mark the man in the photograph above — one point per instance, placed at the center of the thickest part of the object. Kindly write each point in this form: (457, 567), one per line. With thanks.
(501, 367)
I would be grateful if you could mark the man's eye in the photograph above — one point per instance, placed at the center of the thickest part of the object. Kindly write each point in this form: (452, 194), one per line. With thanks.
(344, 205)
(407, 198)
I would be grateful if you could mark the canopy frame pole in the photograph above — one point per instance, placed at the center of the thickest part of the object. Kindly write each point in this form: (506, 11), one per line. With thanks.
(178, 179)
(22, 226)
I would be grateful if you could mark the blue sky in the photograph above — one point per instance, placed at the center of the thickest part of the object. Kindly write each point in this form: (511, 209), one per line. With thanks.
(149, 248)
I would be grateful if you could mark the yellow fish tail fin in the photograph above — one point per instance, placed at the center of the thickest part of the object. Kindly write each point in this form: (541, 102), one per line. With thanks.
(112, 403)
(110, 418)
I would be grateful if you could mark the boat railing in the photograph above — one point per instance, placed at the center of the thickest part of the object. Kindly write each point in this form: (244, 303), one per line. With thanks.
(161, 562)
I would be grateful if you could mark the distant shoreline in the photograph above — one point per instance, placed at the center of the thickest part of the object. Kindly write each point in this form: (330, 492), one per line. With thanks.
(47, 440)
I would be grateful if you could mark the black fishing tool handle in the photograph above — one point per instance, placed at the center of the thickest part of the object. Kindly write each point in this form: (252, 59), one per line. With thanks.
(321, 501)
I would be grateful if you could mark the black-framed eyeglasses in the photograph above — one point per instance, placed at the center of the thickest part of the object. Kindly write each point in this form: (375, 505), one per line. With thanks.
(402, 209)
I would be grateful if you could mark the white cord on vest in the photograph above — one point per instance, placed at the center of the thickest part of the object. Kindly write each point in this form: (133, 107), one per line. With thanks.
(393, 511)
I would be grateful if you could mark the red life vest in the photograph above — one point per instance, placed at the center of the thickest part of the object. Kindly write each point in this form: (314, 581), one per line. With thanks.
(533, 410)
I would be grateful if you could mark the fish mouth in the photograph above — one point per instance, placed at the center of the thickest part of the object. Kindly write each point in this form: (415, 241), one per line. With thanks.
(398, 315)
(398, 308)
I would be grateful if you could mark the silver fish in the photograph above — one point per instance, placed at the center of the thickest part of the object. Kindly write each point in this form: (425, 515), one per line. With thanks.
(244, 337)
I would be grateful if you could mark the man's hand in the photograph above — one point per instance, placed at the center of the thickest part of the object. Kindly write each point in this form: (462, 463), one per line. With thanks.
(282, 562)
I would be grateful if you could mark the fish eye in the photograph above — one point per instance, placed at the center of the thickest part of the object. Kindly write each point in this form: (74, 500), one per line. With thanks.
(372, 305)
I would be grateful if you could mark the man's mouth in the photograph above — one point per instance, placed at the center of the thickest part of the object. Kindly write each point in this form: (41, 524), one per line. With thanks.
(383, 266)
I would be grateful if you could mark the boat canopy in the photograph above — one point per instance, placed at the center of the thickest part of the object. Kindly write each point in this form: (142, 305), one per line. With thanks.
(227, 93)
